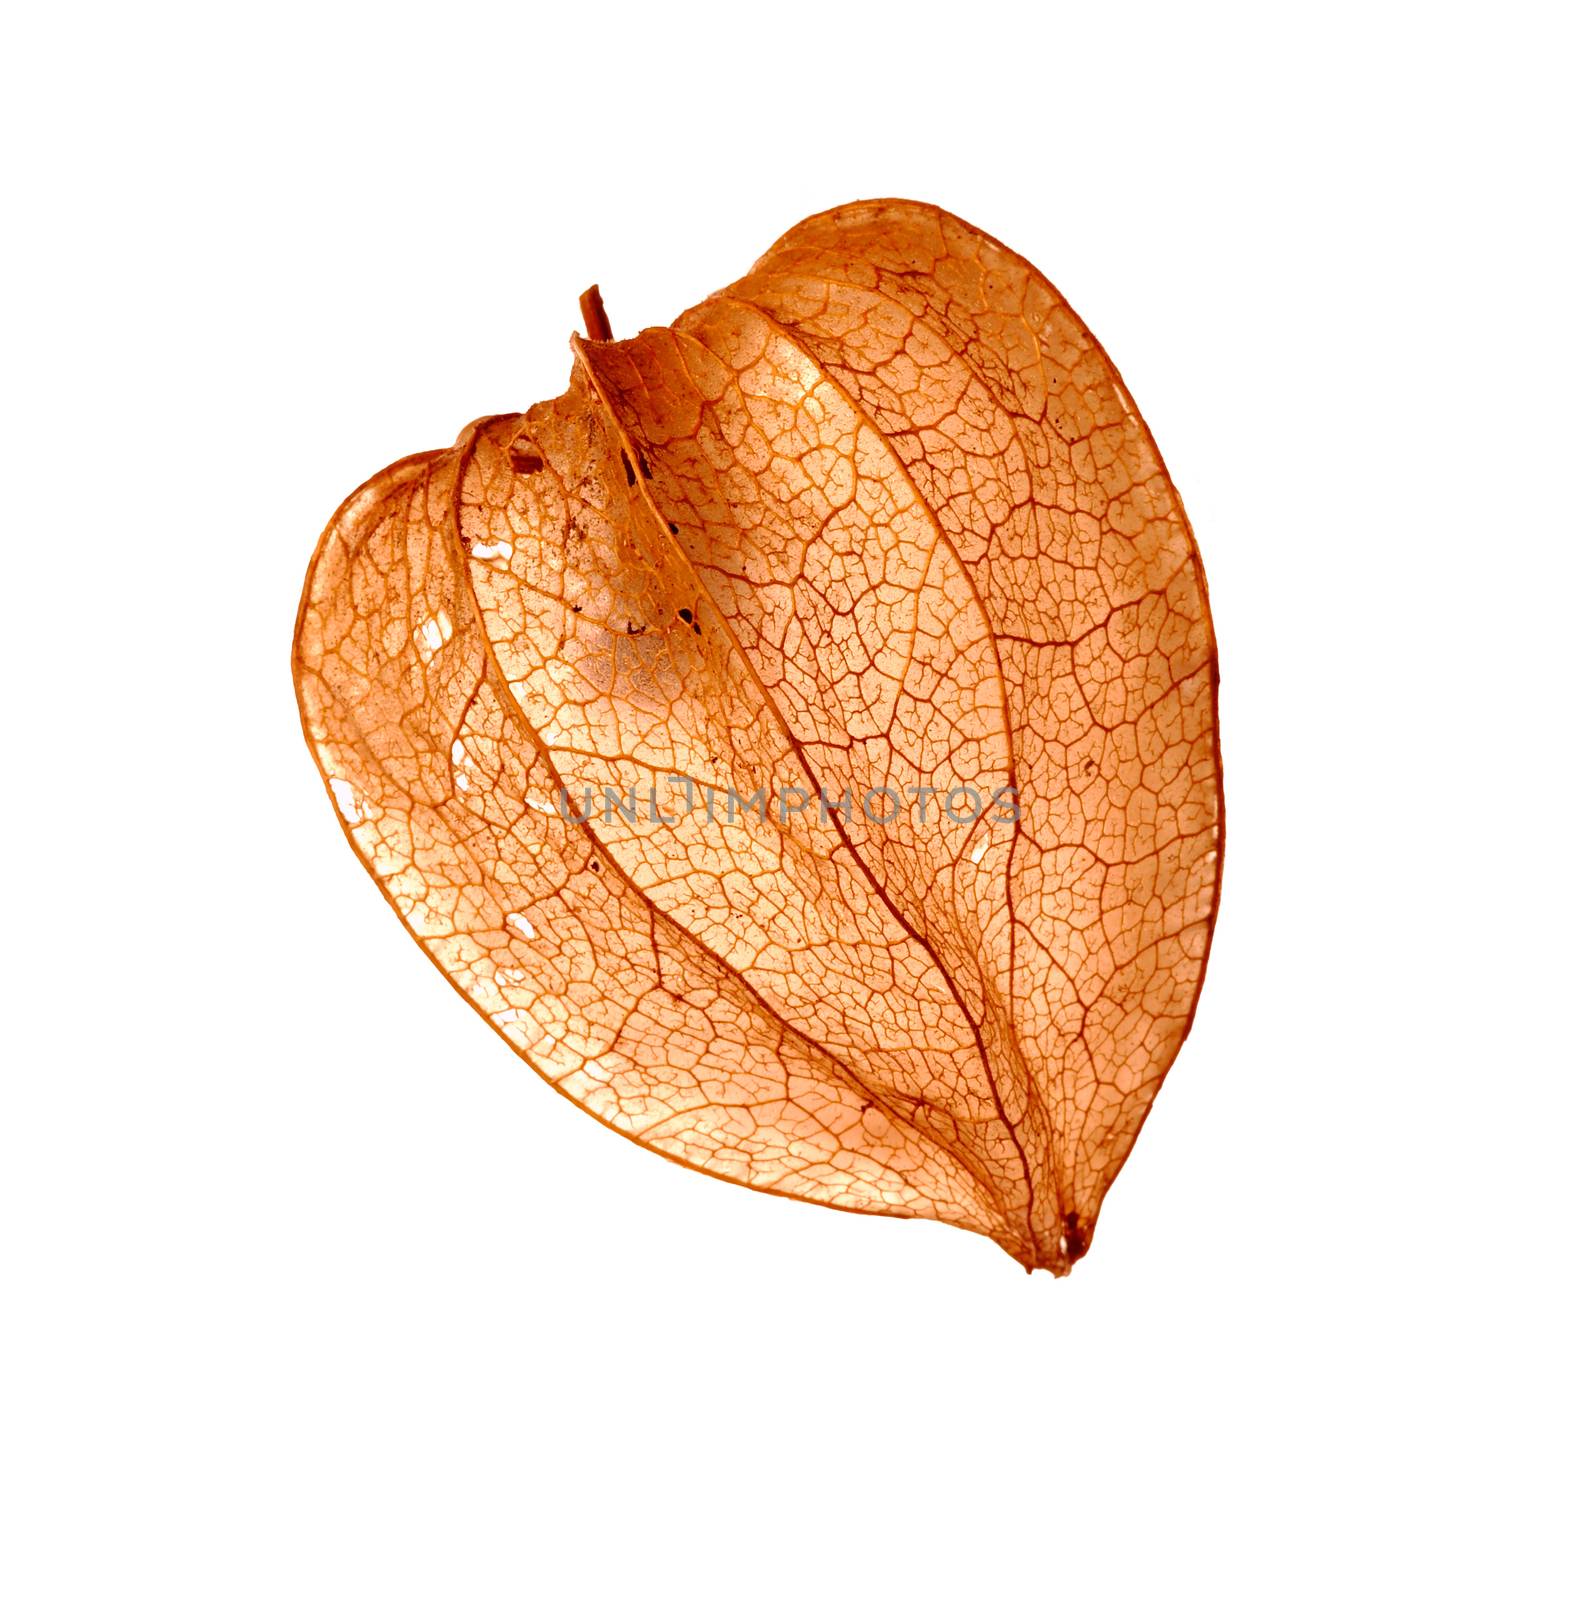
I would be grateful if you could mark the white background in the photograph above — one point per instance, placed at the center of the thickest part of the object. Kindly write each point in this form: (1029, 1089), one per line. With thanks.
(312, 1289)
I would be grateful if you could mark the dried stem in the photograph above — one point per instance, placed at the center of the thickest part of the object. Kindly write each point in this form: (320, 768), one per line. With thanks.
(595, 314)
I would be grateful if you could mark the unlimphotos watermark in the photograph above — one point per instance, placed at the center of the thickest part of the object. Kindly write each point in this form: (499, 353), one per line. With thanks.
(959, 805)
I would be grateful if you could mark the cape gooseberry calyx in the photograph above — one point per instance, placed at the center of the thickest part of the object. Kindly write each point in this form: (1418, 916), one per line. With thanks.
(798, 739)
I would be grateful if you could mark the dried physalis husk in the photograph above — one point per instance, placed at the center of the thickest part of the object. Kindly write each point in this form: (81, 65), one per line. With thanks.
(798, 739)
